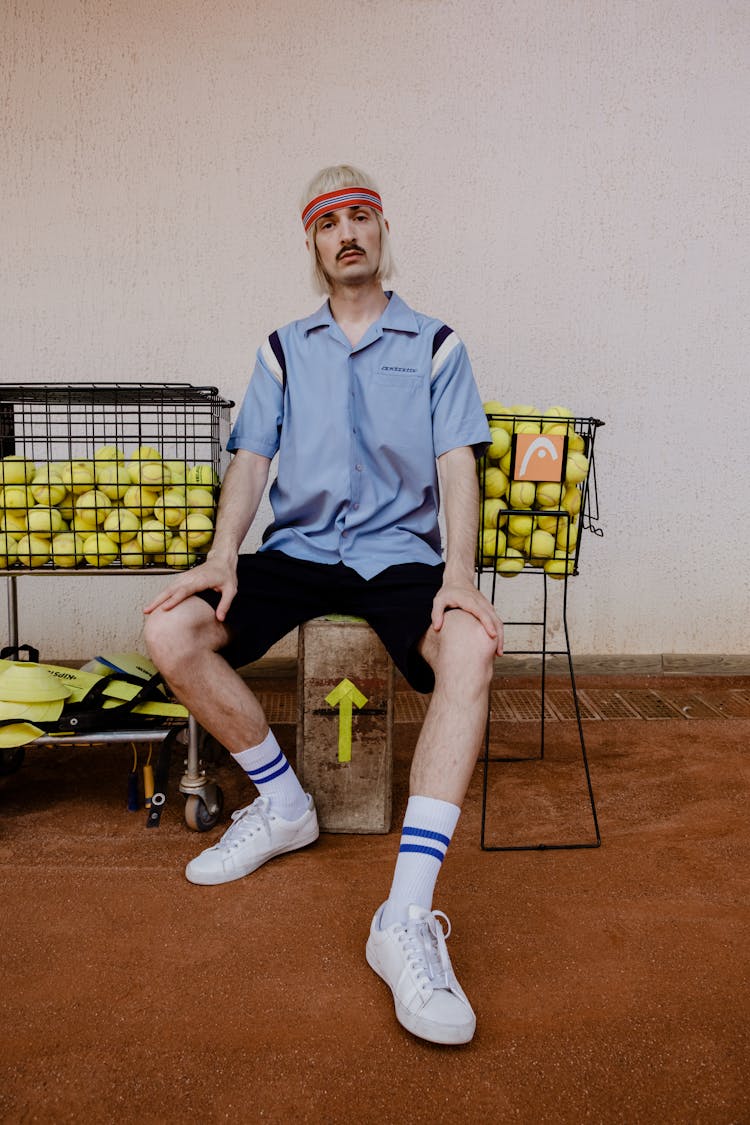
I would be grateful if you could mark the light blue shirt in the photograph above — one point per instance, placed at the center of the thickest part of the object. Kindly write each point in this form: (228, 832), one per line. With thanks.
(358, 430)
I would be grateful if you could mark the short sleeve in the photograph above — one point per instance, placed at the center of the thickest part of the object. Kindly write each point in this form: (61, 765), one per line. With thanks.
(458, 416)
(258, 424)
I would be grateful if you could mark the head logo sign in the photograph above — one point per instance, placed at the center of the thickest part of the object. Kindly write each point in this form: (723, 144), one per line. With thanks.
(539, 457)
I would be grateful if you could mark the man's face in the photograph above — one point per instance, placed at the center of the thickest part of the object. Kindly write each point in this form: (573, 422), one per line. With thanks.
(348, 244)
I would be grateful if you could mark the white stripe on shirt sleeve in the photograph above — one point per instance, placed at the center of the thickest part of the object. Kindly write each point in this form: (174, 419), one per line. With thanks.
(272, 363)
(447, 347)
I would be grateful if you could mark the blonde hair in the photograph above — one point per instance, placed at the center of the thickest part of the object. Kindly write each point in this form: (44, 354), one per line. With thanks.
(330, 179)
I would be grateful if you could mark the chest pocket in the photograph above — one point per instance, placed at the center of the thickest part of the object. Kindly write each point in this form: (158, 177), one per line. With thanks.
(399, 378)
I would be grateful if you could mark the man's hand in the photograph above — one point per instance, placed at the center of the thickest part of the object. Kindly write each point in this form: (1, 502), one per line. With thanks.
(466, 596)
(214, 574)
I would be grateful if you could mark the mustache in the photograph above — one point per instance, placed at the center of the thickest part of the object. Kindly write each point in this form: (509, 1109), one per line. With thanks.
(348, 250)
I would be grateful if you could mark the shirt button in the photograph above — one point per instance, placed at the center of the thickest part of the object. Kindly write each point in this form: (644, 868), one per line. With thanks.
(343, 535)
(358, 468)
(355, 506)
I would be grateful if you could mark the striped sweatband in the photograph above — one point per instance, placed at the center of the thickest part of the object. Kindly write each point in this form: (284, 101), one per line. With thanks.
(335, 200)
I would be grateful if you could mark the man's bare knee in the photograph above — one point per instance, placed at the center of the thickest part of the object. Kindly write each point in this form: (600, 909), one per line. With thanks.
(465, 650)
(173, 635)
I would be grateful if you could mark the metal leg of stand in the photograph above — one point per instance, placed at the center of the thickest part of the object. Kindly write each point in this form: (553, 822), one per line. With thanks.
(596, 842)
(205, 799)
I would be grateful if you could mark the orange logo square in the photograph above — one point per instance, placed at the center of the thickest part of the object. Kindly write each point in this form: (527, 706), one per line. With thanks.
(539, 457)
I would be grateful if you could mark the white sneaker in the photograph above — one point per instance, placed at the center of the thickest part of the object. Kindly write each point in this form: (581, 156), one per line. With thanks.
(255, 835)
(413, 961)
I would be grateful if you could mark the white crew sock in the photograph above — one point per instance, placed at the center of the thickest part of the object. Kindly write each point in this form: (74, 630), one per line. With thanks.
(273, 777)
(427, 831)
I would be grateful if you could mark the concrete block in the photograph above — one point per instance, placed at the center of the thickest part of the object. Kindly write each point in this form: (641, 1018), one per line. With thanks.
(345, 725)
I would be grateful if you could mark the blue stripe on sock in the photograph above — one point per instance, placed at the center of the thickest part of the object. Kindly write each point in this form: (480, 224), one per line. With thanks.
(271, 776)
(441, 839)
(268, 766)
(421, 848)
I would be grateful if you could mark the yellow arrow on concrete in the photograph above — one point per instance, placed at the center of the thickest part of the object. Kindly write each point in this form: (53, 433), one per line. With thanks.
(343, 696)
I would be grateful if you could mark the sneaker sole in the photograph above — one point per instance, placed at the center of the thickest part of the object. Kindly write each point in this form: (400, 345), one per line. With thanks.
(445, 1035)
(208, 880)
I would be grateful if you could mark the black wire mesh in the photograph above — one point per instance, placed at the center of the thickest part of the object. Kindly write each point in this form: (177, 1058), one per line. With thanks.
(537, 486)
(123, 476)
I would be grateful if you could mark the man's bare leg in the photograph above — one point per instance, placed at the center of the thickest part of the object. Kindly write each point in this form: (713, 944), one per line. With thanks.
(462, 658)
(183, 643)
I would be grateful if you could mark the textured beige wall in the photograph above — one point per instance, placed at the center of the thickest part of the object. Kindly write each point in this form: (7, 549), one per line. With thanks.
(567, 186)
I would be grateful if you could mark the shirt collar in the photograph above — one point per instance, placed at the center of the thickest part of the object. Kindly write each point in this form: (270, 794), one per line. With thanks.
(396, 317)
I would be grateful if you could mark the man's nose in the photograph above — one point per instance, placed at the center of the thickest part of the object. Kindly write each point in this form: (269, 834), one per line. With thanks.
(347, 231)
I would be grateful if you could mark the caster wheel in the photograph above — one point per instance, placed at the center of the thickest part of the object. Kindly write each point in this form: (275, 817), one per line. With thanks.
(197, 815)
(11, 759)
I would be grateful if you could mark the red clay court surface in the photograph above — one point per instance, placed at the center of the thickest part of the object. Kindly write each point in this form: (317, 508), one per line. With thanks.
(610, 985)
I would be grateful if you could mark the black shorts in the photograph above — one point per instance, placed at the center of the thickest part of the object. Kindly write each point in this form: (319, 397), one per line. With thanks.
(276, 593)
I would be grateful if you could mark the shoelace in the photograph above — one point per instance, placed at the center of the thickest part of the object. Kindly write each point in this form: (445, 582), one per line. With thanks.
(428, 954)
(242, 823)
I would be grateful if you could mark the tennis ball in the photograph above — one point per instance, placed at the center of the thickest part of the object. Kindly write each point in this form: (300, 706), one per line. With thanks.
(154, 474)
(521, 410)
(495, 482)
(549, 523)
(511, 563)
(67, 507)
(47, 487)
(13, 524)
(132, 553)
(521, 525)
(18, 497)
(99, 549)
(105, 454)
(8, 549)
(529, 427)
(112, 479)
(178, 554)
(172, 506)
(33, 550)
(560, 565)
(567, 536)
(571, 501)
(517, 542)
(540, 545)
(522, 494)
(555, 420)
(201, 500)
(15, 469)
(493, 544)
(504, 462)
(78, 476)
(67, 548)
(576, 468)
(500, 443)
(155, 537)
(45, 521)
(202, 474)
(197, 529)
(494, 407)
(92, 507)
(493, 514)
(549, 494)
(138, 457)
(576, 444)
(140, 500)
(121, 525)
(177, 471)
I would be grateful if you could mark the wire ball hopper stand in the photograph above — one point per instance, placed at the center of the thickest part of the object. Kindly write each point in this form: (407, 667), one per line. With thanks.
(537, 493)
(105, 481)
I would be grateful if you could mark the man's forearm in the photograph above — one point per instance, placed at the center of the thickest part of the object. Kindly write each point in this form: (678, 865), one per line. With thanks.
(461, 507)
(241, 493)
